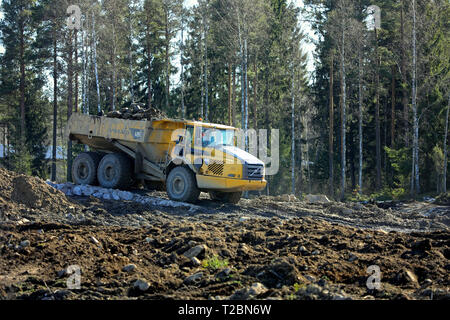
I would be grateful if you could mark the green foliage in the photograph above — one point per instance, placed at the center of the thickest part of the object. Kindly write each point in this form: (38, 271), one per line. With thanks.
(214, 263)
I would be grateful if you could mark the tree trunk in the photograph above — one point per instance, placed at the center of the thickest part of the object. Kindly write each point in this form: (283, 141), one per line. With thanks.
(308, 169)
(444, 185)
(206, 74)
(360, 123)
(403, 71)
(167, 59)
(95, 64)
(69, 101)
(293, 133)
(230, 120)
(149, 69)
(113, 100)
(343, 118)
(255, 97)
(55, 101)
(183, 107)
(377, 117)
(22, 84)
(331, 130)
(233, 101)
(130, 53)
(76, 71)
(202, 105)
(246, 94)
(415, 187)
(393, 108)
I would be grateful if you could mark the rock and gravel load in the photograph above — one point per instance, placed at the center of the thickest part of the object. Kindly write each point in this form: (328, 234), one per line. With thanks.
(137, 112)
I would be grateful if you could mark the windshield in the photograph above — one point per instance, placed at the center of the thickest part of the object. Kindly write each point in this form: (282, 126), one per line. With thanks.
(212, 137)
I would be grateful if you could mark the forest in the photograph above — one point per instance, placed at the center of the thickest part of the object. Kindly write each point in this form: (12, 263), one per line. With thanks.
(371, 120)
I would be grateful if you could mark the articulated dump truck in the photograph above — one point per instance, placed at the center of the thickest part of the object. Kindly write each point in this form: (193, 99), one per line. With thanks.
(183, 157)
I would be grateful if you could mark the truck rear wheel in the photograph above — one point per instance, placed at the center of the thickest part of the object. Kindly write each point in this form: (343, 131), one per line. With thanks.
(84, 168)
(181, 185)
(227, 197)
(115, 171)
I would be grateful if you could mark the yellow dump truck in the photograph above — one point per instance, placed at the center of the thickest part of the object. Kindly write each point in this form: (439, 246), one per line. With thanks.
(184, 157)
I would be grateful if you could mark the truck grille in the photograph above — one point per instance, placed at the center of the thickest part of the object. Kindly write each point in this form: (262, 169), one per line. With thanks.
(254, 171)
(216, 168)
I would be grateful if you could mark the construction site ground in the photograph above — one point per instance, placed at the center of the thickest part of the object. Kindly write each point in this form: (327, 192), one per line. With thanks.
(262, 248)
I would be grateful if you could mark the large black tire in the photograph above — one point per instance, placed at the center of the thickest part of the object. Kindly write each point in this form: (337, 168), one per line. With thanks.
(181, 185)
(227, 197)
(84, 168)
(115, 171)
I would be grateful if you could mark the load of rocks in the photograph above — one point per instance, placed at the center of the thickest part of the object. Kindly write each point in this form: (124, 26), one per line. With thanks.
(137, 112)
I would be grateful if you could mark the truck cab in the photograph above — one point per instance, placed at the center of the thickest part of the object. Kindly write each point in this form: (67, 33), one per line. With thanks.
(221, 168)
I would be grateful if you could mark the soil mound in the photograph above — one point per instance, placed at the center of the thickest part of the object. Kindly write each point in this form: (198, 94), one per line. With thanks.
(19, 192)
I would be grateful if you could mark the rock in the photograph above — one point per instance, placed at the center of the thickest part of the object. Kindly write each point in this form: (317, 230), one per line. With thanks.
(257, 288)
(322, 282)
(94, 240)
(249, 292)
(319, 198)
(315, 252)
(224, 273)
(77, 191)
(313, 289)
(141, 285)
(424, 245)
(124, 195)
(352, 258)
(195, 251)
(302, 249)
(411, 276)
(88, 191)
(23, 221)
(25, 243)
(427, 283)
(129, 268)
(406, 277)
(193, 278)
(310, 278)
(346, 211)
(115, 196)
(61, 294)
(339, 297)
(62, 273)
(195, 261)
(149, 240)
(243, 219)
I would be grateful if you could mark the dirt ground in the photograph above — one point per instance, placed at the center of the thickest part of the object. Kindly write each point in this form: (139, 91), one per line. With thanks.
(263, 248)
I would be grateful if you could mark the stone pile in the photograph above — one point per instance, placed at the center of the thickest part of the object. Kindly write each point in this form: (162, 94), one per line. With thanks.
(70, 189)
(137, 112)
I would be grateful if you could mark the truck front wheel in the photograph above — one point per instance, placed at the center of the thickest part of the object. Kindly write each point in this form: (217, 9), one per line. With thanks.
(115, 171)
(227, 197)
(84, 168)
(181, 185)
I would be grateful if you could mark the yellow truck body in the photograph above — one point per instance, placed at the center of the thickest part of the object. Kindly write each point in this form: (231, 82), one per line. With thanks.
(155, 148)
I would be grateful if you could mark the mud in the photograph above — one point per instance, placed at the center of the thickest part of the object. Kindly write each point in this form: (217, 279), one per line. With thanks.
(263, 248)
